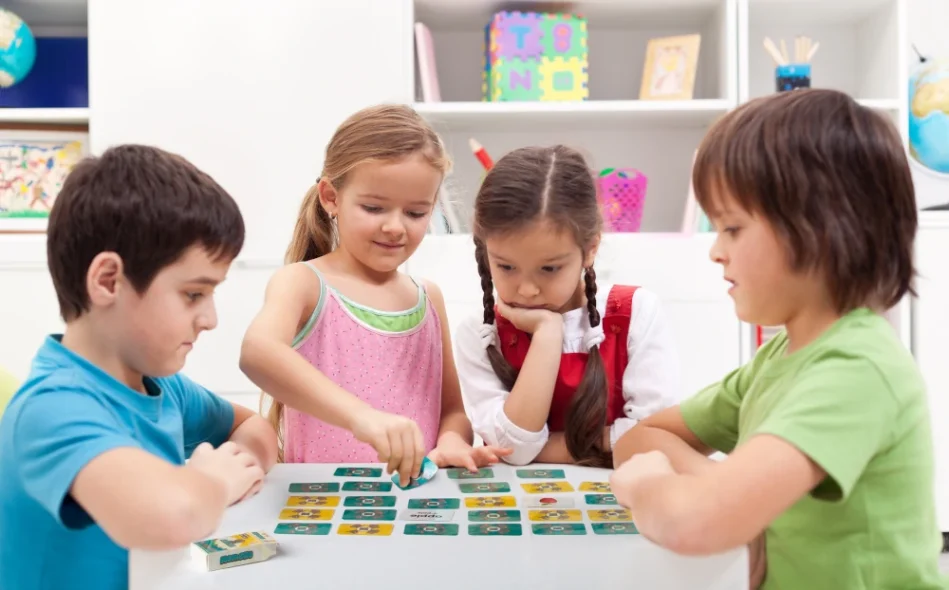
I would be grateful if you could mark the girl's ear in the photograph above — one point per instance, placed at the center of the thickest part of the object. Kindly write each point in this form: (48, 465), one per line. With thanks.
(329, 198)
(590, 255)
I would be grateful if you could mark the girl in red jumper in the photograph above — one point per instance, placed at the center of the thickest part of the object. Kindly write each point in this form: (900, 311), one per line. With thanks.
(557, 368)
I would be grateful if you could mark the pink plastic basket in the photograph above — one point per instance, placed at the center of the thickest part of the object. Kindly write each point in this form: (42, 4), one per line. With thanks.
(622, 194)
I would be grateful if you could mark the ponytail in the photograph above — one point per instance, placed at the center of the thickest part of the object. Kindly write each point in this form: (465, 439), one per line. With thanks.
(313, 236)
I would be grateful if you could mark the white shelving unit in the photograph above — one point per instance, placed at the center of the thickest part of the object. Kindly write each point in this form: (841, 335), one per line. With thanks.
(76, 116)
(863, 52)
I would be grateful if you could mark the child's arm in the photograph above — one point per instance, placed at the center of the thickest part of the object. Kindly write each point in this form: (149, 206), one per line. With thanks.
(665, 431)
(251, 432)
(455, 435)
(514, 419)
(818, 439)
(84, 468)
(269, 360)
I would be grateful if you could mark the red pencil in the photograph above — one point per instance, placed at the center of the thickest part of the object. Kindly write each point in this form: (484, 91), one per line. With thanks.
(481, 154)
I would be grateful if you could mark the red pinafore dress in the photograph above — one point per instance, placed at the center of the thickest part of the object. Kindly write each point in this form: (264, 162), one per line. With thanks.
(619, 308)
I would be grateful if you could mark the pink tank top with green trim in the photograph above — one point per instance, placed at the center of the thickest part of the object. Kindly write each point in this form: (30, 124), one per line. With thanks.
(390, 360)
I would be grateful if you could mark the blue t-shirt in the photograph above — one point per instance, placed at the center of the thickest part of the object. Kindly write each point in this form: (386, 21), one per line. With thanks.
(66, 413)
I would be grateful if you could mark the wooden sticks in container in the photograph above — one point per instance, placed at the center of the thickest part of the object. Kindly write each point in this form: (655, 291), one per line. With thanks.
(804, 50)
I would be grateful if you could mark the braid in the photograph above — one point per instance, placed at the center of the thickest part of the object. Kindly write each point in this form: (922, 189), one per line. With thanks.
(587, 414)
(589, 280)
(487, 286)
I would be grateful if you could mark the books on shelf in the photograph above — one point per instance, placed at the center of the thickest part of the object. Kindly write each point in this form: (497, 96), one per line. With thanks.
(425, 61)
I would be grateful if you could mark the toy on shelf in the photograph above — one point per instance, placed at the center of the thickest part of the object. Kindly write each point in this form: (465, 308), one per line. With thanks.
(670, 68)
(17, 49)
(531, 56)
(622, 195)
(789, 74)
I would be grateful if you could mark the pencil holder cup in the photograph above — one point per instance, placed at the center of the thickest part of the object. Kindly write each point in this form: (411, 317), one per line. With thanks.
(792, 76)
(622, 195)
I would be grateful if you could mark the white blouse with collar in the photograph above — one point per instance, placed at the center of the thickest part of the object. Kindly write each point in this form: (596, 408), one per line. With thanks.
(651, 381)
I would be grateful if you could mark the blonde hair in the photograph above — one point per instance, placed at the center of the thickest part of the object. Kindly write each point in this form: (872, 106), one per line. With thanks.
(380, 133)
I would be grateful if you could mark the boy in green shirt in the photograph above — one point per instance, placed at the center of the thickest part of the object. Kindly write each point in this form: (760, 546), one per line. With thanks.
(829, 474)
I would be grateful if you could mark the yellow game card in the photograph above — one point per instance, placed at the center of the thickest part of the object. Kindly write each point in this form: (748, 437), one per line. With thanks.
(555, 515)
(305, 514)
(547, 487)
(332, 501)
(613, 515)
(602, 487)
(365, 530)
(490, 502)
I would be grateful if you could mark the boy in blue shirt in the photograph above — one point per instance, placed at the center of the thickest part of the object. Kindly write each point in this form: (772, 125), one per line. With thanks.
(94, 443)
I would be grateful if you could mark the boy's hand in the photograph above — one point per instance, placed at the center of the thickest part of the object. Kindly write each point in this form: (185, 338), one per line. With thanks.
(236, 469)
(627, 477)
(453, 451)
(396, 439)
(529, 320)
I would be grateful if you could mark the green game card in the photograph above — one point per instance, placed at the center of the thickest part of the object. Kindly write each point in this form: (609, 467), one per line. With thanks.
(314, 488)
(367, 486)
(601, 499)
(301, 528)
(369, 501)
(559, 528)
(434, 504)
(494, 515)
(368, 514)
(358, 472)
(462, 473)
(541, 474)
(495, 530)
(614, 528)
(450, 530)
(484, 488)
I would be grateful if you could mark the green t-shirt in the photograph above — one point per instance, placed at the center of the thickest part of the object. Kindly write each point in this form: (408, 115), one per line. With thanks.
(855, 403)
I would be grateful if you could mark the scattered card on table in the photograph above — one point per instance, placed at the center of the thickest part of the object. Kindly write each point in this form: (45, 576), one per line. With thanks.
(358, 472)
(314, 488)
(462, 473)
(487, 487)
(305, 514)
(495, 530)
(614, 528)
(370, 501)
(596, 486)
(303, 528)
(549, 502)
(356, 514)
(555, 515)
(365, 530)
(331, 501)
(601, 499)
(441, 529)
(367, 486)
(490, 502)
(617, 514)
(434, 503)
(547, 487)
(568, 528)
(494, 515)
(541, 474)
(427, 515)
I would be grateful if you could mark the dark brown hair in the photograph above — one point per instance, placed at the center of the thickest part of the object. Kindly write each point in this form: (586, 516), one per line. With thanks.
(552, 184)
(832, 179)
(148, 206)
(380, 133)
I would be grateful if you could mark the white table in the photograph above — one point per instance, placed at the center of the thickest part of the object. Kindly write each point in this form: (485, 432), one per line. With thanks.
(423, 562)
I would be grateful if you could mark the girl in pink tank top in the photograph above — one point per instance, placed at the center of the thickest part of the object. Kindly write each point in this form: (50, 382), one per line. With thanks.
(350, 349)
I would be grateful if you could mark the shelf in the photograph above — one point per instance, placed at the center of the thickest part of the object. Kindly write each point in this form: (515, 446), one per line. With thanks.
(607, 13)
(881, 104)
(45, 116)
(603, 114)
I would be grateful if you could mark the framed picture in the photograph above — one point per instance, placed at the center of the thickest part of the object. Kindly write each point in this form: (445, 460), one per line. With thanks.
(669, 72)
(33, 165)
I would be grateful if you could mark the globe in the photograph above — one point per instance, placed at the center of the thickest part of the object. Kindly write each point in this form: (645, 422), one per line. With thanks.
(929, 116)
(17, 49)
